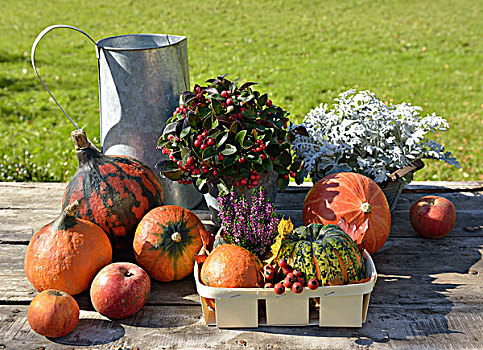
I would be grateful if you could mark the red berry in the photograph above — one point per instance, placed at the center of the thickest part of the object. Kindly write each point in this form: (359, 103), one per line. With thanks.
(228, 101)
(197, 89)
(210, 142)
(197, 143)
(282, 263)
(313, 284)
(255, 183)
(249, 186)
(267, 267)
(258, 149)
(204, 133)
(287, 282)
(258, 177)
(180, 181)
(199, 137)
(298, 287)
(291, 277)
(241, 160)
(268, 286)
(269, 103)
(224, 94)
(215, 173)
(243, 182)
(279, 288)
(286, 177)
(170, 136)
(268, 274)
(287, 270)
(237, 183)
(253, 177)
(297, 273)
(204, 169)
(293, 174)
(262, 156)
(221, 157)
(203, 146)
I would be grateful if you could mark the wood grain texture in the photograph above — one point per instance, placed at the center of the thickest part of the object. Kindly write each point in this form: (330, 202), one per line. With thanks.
(429, 293)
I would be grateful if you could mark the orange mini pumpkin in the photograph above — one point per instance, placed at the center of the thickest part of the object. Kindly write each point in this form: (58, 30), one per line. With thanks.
(231, 266)
(166, 242)
(53, 313)
(354, 198)
(67, 253)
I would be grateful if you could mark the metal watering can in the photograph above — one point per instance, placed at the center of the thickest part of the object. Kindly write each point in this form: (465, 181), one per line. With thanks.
(140, 79)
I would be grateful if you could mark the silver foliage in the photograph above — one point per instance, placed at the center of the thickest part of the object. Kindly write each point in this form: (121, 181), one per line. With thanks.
(360, 133)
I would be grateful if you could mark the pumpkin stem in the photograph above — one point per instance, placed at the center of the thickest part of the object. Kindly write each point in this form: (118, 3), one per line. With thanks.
(72, 207)
(176, 237)
(80, 139)
(366, 208)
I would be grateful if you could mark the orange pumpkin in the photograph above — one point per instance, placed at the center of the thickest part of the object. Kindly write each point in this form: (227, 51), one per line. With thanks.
(354, 198)
(231, 266)
(166, 242)
(53, 313)
(67, 253)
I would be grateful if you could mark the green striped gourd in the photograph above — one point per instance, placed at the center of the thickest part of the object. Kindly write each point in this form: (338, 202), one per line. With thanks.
(323, 252)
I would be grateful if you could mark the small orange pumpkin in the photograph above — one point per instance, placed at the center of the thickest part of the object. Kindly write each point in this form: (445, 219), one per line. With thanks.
(53, 313)
(166, 242)
(354, 198)
(67, 253)
(231, 266)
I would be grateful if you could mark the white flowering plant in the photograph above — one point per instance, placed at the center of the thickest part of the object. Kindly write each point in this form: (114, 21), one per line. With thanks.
(362, 134)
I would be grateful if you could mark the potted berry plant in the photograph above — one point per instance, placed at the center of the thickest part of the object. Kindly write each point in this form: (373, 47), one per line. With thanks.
(226, 135)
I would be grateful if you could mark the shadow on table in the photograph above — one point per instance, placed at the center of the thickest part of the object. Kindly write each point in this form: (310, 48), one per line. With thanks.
(408, 301)
(91, 331)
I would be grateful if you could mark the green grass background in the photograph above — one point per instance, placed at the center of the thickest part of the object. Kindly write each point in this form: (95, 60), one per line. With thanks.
(427, 52)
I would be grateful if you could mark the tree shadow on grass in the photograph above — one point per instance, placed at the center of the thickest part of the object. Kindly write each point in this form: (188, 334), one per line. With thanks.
(91, 331)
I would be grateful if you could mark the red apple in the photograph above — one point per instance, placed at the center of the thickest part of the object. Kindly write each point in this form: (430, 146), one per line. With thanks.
(432, 216)
(120, 290)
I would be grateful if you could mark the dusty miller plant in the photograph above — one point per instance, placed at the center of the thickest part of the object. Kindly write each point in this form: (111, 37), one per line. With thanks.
(361, 134)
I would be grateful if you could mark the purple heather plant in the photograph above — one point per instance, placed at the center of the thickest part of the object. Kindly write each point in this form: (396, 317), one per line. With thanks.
(251, 226)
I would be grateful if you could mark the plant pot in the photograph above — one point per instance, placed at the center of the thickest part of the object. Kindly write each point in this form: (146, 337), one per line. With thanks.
(392, 190)
(268, 181)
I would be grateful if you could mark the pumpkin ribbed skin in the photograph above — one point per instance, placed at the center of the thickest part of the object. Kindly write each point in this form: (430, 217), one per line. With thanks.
(117, 191)
(166, 242)
(66, 255)
(231, 266)
(354, 197)
(325, 253)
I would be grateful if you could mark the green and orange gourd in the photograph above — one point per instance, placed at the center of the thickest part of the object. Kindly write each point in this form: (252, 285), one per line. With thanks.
(325, 253)
(117, 191)
(166, 242)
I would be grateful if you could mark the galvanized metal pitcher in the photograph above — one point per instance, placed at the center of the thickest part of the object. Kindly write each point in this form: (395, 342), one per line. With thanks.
(140, 79)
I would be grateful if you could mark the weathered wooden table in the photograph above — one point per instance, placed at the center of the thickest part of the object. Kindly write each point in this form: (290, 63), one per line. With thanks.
(429, 293)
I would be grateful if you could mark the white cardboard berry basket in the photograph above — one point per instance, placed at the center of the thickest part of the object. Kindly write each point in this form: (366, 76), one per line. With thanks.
(340, 306)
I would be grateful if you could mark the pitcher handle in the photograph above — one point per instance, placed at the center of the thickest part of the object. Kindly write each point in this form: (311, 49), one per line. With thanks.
(32, 58)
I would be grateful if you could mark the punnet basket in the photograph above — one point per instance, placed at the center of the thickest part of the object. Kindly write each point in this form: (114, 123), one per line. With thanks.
(340, 306)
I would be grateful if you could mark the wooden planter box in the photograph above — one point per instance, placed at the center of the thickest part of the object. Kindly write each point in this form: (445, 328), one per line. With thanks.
(340, 306)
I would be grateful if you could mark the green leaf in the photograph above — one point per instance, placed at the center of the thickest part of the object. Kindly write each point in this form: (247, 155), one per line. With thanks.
(262, 100)
(166, 166)
(233, 86)
(185, 153)
(229, 172)
(268, 165)
(240, 137)
(247, 85)
(235, 126)
(214, 125)
(217, 107)
(170, 128)
(229, 149)
(222, 187)
(201, 184)
(280, 169)
(174, 175)
(285, 158)
(223, 138)
(208, 153)
(184, 132)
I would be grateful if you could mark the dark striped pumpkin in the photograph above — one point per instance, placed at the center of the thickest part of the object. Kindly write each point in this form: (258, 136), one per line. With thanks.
(117, 191)
(324, 252)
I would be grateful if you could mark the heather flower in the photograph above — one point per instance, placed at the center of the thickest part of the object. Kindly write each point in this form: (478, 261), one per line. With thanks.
(252, 226)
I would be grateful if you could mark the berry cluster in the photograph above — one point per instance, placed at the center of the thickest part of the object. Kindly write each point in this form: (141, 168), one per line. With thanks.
(291, 279)
(224, 131)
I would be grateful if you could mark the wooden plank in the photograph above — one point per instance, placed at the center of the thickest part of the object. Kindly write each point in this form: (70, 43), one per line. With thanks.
(412, 272)
(182, 327)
